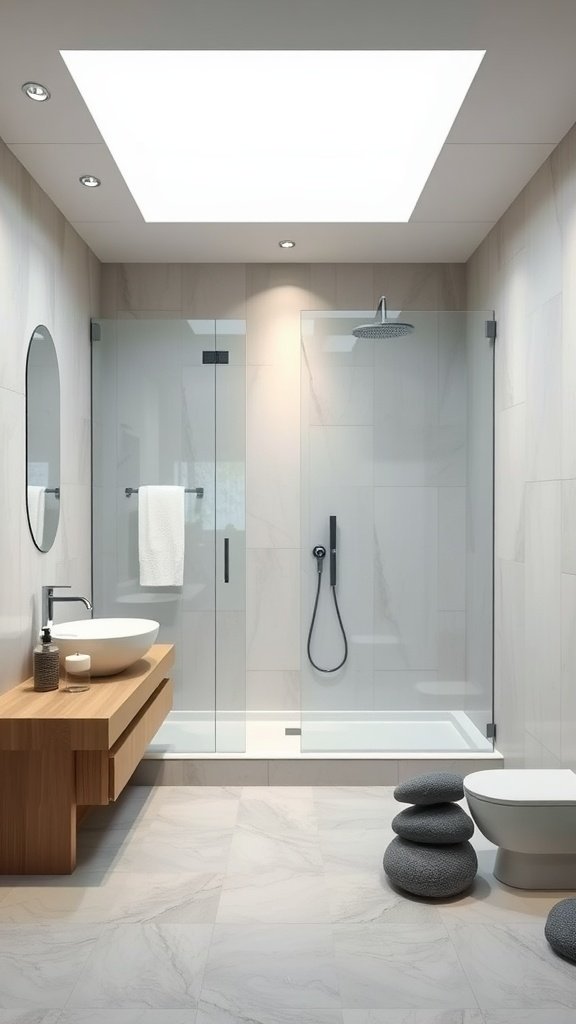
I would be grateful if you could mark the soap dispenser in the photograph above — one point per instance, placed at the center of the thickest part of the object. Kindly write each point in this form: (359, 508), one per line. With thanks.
(46, 663)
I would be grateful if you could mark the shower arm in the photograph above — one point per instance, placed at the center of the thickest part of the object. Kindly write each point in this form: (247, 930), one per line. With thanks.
(382, 309)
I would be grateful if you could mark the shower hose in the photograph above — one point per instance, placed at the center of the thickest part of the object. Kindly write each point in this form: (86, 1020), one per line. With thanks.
(319, 560)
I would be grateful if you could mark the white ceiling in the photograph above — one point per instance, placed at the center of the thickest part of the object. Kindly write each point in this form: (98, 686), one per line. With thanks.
(520, 105)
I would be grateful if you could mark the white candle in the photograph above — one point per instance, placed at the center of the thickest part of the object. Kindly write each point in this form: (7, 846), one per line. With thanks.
(78, 664)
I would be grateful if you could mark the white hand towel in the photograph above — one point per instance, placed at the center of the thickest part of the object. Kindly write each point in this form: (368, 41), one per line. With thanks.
(36, 510)
(161, 536)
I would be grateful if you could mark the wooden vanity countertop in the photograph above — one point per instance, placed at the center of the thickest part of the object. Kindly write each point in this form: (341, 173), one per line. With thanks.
(91, 720)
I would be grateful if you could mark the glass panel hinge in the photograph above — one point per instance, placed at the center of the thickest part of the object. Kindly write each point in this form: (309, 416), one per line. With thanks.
(491, 329)
(491, 731)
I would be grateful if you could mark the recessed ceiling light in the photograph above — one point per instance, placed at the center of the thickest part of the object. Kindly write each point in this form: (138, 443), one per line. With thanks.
(35, 91)
(291, 149)
(286, 243)
(90, 181)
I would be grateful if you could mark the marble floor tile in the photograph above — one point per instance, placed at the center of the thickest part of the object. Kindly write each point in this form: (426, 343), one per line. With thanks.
(274, 896)
(564, 1016)
(162, 850)
(176, 810)
(283, 816)
(271, 794)
(252, 853)
(108, 1016)
(490, 902)
(211, 1013)
(400, 966)
(267, 906)
(350, 850)
(132, 807)
(262, 969)
(366, 897)
(29, 1016)
(369, 812)
(512, 967)
(116, 899)
(40, 963)
(148, 966)
(413, 1017)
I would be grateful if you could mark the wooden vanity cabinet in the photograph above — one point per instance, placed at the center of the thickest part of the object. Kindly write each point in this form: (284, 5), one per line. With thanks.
(61, 752)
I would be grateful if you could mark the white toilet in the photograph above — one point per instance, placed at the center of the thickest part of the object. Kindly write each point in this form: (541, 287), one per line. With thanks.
(530, 815)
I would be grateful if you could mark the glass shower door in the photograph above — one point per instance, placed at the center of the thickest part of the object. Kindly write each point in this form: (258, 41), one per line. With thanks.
(397, 445)
(158, 393)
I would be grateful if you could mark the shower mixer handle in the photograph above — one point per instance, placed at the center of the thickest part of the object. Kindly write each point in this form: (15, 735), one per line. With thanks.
(319, 553)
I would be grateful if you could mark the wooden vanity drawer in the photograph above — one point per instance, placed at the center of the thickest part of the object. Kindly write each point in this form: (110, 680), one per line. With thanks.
(127, 752)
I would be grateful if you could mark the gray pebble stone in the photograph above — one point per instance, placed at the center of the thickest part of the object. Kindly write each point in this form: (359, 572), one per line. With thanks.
(560, 928)
(436, 871)
(439, 823)
(434, 788)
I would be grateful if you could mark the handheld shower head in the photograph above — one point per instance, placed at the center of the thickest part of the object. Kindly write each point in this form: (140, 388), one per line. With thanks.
(383, 328)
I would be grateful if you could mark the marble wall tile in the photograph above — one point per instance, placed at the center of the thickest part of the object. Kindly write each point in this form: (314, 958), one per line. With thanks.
(451, 548)
(543, 237)
(406, 434)
(536, 755)
(342, 453)
(275, 296)
(509, 656)
(198, 772)
(513, 330)
(568, 686)
(323, 772)
(273, 464)
(459, 766)
(510, 472)
(543, 613)
(528, 277)
(406, 581)
(210, 290)
(452, 646)
(411, 691)
(273, 608)
(543, 392)
(153, 286)
(569, 526)
(273, 690)
(49, 276)
(341, 396)
(421, 285)
(341, 286)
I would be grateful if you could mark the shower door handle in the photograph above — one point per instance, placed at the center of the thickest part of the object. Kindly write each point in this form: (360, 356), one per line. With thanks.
(226, 560)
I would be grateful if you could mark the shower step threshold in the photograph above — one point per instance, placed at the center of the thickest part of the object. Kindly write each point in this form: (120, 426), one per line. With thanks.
(314, 769)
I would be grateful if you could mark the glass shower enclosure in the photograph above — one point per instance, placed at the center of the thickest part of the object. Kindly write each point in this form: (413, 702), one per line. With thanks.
(397, 447)
(169, 408)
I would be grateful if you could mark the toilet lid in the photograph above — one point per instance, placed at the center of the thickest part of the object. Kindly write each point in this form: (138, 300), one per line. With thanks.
(523, 786)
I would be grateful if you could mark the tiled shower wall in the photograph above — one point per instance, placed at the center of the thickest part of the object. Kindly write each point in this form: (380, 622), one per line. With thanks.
(270, 298)
(526, 269)
(47, 276)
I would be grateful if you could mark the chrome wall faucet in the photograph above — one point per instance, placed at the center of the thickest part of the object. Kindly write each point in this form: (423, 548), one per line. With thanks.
(48, 599)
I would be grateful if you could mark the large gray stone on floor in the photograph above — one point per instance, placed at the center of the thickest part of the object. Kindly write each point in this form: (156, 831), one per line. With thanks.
(560, 928)
(433, 788)
(439, 823)
(431, 870)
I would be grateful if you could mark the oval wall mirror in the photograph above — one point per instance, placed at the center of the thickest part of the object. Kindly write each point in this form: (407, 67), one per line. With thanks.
(42, 438)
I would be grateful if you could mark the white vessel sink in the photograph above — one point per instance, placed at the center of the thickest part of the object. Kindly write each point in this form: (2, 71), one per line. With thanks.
(113, 644)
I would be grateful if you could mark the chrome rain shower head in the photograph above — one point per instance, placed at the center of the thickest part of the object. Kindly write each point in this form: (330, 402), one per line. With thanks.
(383, 328)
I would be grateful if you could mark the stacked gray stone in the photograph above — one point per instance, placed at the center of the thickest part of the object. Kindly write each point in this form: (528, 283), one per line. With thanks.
(560, 929)
(431, 855)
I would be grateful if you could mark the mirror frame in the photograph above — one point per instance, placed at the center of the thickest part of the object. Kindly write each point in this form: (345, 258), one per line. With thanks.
(42, 330)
